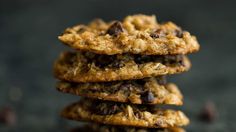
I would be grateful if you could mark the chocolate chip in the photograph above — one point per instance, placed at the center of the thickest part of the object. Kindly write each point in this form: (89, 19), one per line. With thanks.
(166, 59)
(103, 60)
(110, 61)
(161, 80)
(140, 59)
(147, 97)
(115, 29)
(154, 35)
(7, 116)
(140, 82)
(208, 113)
(179, 33)
(157, 34)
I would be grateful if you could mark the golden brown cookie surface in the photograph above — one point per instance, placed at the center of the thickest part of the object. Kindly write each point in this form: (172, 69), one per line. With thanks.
(124, 114)
(137, 34)
(143, 91)
(89, 67)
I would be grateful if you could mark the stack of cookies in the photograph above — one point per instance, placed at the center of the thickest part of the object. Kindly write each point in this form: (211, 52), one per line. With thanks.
(119, 68)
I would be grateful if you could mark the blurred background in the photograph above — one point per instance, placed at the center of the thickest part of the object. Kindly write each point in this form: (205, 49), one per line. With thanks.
(29, 46)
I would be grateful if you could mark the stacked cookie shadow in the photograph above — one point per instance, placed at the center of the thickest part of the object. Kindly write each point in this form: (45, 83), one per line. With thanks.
(119, 68)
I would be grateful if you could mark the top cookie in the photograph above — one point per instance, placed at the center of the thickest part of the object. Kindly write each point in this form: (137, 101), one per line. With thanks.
(137, 34)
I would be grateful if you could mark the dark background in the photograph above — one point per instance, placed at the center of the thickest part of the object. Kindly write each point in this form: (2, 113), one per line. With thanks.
(29, 46)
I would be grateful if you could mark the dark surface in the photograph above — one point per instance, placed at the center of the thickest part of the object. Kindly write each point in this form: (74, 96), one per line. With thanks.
(29, 45)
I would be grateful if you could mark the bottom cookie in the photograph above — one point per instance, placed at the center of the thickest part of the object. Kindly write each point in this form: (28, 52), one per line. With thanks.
(110, 128)
(124, 114)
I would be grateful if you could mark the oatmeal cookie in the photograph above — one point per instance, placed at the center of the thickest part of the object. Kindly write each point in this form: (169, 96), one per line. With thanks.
(90, 67)
(137, 34)
(124, 114)
(142, 91)
(112, 128)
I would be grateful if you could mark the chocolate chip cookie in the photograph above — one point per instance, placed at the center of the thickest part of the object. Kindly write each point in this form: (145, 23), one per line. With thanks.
(111, 128)
(142, 91)
(90, 67)
(124, 114)
(137, 34)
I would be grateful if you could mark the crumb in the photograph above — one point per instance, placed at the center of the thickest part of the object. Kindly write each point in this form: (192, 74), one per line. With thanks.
(208, 112)
(7, 116)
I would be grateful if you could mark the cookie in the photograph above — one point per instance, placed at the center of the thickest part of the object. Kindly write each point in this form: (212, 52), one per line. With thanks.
(124, 114)
(137, 34)
(90, 67)
(111, 128)
(143, 91)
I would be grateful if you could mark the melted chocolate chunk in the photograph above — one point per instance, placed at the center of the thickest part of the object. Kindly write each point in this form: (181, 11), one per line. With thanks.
(157, 34)
(112, 61)
(147, 97)
(179, 33)
(103, 60)
(115, 29)
(166, 59)
(140, 82)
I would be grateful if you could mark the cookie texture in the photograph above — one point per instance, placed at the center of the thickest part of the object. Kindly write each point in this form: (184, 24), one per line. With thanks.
(90, 67)
(124, 114)
(112, 128)
(142, 91)
(137, 34)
